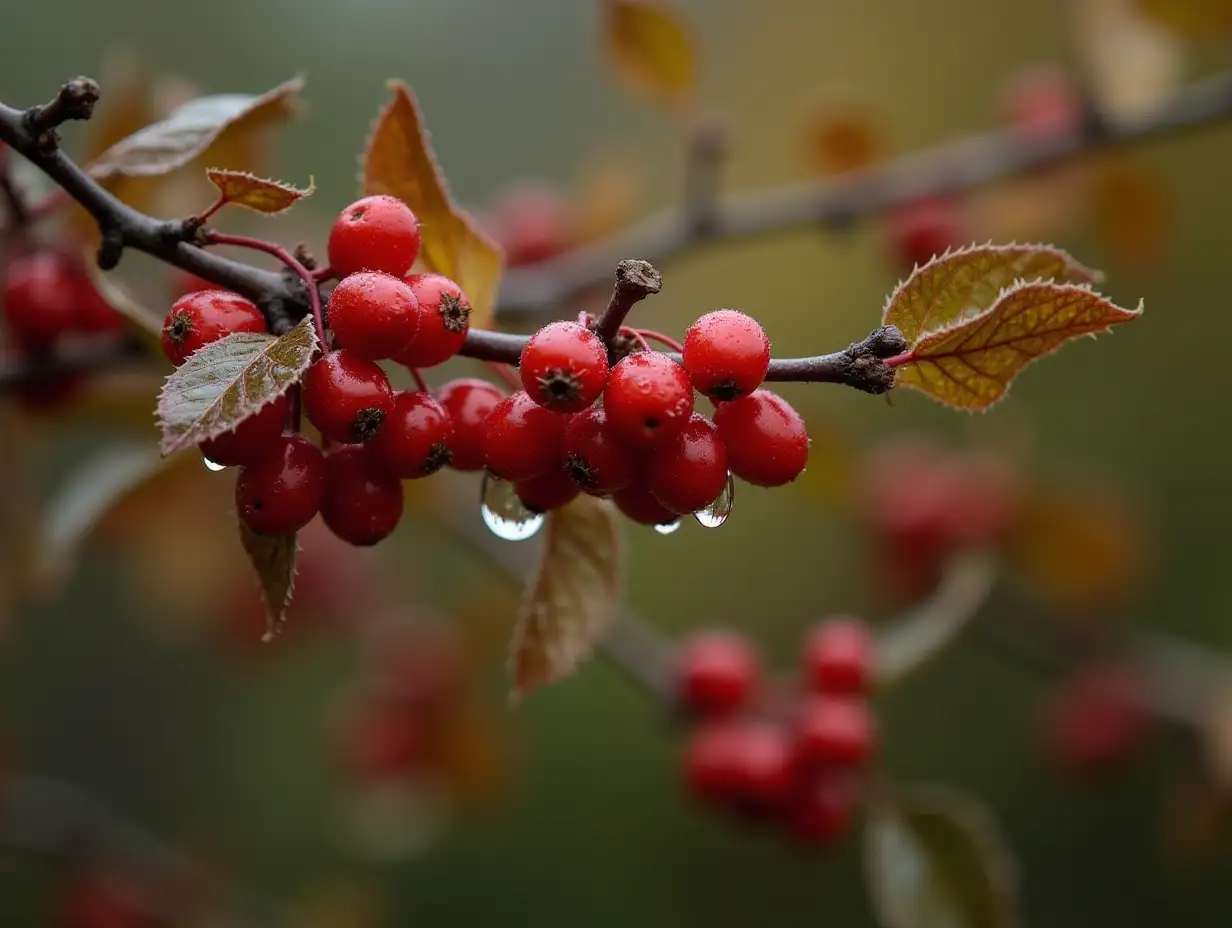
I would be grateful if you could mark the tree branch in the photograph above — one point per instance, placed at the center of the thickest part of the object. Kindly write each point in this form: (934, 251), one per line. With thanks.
(635, 280)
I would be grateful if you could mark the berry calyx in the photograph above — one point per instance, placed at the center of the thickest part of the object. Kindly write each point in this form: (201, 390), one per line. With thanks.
(362, 505)
(444, 319)
(767, 441)
(346, 397)
(415, 437)
(521, 439)
(280, 494)
(648, 397)
(838, 657)
(550, 490)
(39, 299)
(374, 315)
(595, 458)
(717, 673)
(468, 402)
(377, 233)
(836, 731)
(564, 367)
(688, 471)
(639, 504)
(196, 319)
(253, 439)
(726, 354)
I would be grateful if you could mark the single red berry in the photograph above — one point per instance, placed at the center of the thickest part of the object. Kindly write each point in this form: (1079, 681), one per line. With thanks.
(688, 471)
(39, 299)
(550, 490)
(362, 505)
(1097, 719)
(521, 439)
(1040, 102)
(379, 739)
(922, 229)
(280, 494)
(532, 224)
(717, 672)
(468, 402)
(374, 315)
(726, 354)
(598, 461)
(94, 314)
(377, 233)
(254, 438)
(204, 316)
(564, 367)
(444, 318)
(767, 442)
(107, 900)
(836, 731)
(712, 762)
(648, 397)
(414, 439)
(639, 504)
(767, 768)
(346, 397)
(820, 812)
(838, 657)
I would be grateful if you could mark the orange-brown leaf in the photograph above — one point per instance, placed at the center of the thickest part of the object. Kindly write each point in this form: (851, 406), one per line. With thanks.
(1197, 19)
(842, 136)
(651, 48)
(264, 196)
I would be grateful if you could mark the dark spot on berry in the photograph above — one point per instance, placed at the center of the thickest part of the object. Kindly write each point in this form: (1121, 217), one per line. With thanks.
(725, 391)
(358, 213)
(454, 313)
(580, 471)
(179, 327)
(367, 423)
(438, 456)
(559, 386)
(257, 505)
(652, 423)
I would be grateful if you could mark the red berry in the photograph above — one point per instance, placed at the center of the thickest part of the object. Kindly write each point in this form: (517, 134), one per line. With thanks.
(521, 439)
(532, 224)
(712, 762)
(595, 458)
(564, 367)
(39, 299)
(767, 768)
(717, 672)
(94, 314)
(107, 900)
(688, 471)
(550, 490)
(374, 315)
(1097, 719)
(254, 438)
(639, 504)
(1040, 102)
(378, 233)
(346, 397)
(921, 229)
(468, 402)
(414, 439)
(726, 354)
(649, 398)
(444, 318)
(380, 739)
(204, 316)
(838, 657)
(820, 812)
(767, 442)
(362, 505)
(836, 731)
(280, 494)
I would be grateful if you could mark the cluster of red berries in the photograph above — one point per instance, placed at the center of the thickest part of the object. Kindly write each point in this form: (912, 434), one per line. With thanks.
(797, 762)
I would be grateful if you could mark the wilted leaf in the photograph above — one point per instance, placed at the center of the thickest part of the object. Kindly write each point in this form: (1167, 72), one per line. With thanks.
(229, 380)
(935, 859)
(398, 160)
(264, 196)
(146, 324)
(573, 597)
(651, 48)
(843, 136)
(273, 558)
(1133, 65)
(1131, 212)
(966, 282)
(1195, 19)
(970, 364)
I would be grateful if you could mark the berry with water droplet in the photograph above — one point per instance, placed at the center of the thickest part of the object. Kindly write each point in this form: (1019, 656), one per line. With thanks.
(550, 490)
(564, 367)
(362, 506)
(415, 438)
(522, 439)
(377, 233)
(597, 460)
(346, 397)
(648, 397)
(374, 315)
(204, 316)
(639, 504)
(726, 354)
(281, 493)
(766, 440)
(253, 438)
(687, 471)
(468, 403)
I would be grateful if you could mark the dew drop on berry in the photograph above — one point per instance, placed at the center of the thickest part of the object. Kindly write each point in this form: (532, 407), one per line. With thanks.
(213, 465)
(504, 513)
(666, 528)
(717, 512)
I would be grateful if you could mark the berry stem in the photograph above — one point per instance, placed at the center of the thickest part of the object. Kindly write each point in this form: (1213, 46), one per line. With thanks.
(635, 280)
(418, 377)
(322, 274)
(660, 338)
(506, 374)
(204, 216)
(638, 336)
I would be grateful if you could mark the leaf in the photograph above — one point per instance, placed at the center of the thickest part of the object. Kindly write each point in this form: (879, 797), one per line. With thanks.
(1193, 19)
(190, 130)
(843, 136)
(651, 49)
(271, 197)
(964, 282)
(574, 596)
(273, 558)
(1133, 66)
(398, 161)
(229, 380)
(146, 324)
(970, 365)
(934, 858)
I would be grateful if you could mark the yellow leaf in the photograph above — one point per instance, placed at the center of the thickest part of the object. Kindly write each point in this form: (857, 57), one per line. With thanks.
(651, 49)
(398, 160)
(970, 364)
(843, 136)
(1194, 19)
(264, 196)
(1133, 65)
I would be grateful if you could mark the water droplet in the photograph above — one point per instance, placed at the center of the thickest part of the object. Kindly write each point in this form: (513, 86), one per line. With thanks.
(717, 512)
(666, 528)
(504, 513)
(212, 465)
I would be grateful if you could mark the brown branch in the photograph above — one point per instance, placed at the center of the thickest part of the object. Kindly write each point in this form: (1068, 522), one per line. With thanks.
(635, 280)
(97, 354)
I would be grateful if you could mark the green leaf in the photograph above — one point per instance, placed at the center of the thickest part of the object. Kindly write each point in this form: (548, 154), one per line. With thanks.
(239, 188)
(224, 383)
(273, 559)
(573, 597)
(934, 858)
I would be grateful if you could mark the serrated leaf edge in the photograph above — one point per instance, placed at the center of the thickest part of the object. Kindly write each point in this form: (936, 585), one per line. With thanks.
(301, 193)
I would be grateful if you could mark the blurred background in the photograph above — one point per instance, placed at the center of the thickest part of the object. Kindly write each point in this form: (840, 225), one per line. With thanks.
(140, 679)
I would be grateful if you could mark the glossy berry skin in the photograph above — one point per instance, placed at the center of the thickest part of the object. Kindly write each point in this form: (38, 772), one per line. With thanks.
(564, 367)
(414, 439)
(196, 319)
(521, 439)
(820, 812)
(648, 397)
(836, 731)
(712, 762)
(253, 439)
(766, 768)
(548, 491)
(838, 657)
(39, 299)
(717, 673)
(346, 397)
(922, 229)
(726, 354)
(377, 233)
(640, 505)
(688, 471)
(468, 402)
(373, 315)
(767, 442)
(598, 461)
(444, 319)
(281, 493)
(362, 505)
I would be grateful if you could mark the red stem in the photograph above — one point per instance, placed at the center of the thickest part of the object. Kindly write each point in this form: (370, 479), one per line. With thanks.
(505, 372)
(641, 338)
(660, 338)
(900, 359)
(203, 217)
(323, 274)
(419, 380)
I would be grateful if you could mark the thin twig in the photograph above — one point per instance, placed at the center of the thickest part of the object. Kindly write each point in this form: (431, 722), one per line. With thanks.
(635, 280)
(98, 354)
(292, 262)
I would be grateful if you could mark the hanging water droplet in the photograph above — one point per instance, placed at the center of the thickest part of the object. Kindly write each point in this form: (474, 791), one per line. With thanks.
(213, 465)
(666, 528)
(505, 514)
(717, 512)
